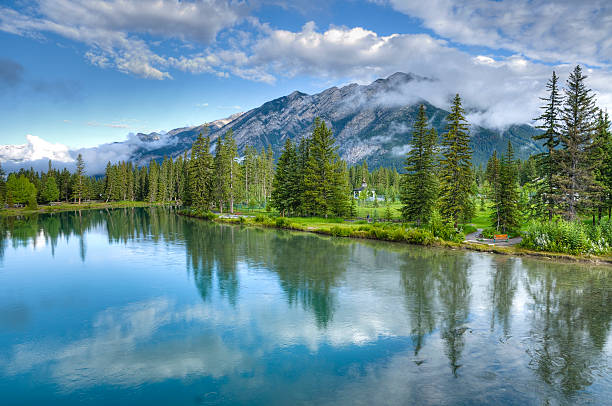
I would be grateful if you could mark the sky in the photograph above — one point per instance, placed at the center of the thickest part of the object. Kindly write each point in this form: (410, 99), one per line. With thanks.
(76, 74)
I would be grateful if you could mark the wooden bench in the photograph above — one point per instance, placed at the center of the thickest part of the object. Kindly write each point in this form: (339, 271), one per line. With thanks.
(500, 237)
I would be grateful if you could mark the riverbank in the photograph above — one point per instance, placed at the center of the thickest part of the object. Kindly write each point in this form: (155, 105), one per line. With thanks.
(24, 211)
(390, 232)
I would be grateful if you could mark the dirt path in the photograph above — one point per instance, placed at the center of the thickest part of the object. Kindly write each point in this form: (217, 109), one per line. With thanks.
(474, 237)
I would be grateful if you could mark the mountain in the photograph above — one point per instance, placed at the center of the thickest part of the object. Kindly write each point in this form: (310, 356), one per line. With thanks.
(370, 122)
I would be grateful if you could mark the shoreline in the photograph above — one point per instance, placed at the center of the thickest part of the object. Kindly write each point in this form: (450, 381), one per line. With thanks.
(64, 207)
(517, 251)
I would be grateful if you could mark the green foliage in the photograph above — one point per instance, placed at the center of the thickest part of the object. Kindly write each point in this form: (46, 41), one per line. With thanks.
(419, 185)
(200, 172)
(50, 191)
(575, 172)
(19, 189)
(32, 205)
(325, 181)
(282, 222)
(79, 188)
(547, 188)
(443, 229)
(571, 237)
(456, 166)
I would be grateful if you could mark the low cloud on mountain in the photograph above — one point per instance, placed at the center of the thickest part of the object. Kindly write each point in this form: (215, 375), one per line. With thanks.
(37, 152)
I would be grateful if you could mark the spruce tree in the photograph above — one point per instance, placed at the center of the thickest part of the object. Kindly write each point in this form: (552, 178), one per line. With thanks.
(2, 187)
(603, 164)
(419, 186)
(456, 166)
(493, 173)
(509, 215)
(50, 192)
(221, 174)
(79, 186)
(200, 170)
(547, 189)
(325, 179)
(282, 186)
(153, 181)
(575, 174)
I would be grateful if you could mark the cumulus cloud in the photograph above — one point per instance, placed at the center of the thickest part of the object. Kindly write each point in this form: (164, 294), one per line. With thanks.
(552, 31)
(113, 29)
(502, 90)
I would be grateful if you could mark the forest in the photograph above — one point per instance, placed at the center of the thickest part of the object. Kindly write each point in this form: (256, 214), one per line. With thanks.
(559, 200)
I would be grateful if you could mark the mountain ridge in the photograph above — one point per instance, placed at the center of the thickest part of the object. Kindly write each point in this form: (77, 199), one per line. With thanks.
(370, 122)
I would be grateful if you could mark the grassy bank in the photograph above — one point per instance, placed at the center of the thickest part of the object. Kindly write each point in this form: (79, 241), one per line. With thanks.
(393, 232)
(21, 211)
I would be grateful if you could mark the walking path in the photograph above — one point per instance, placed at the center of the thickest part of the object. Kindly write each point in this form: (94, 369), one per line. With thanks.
(476, 238)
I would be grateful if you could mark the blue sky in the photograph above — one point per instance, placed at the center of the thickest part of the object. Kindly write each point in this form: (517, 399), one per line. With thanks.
(86, 73)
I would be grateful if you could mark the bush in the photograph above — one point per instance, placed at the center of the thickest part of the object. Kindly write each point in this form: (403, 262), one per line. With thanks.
(32, 205)
(260, 218)
(283, 222)
(570, 237)
(338, 231)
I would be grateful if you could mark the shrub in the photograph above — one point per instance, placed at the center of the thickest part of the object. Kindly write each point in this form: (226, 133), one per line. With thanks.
(260, 218)
(32, 205)
(570, 237)
(283, 222)
(338, 231)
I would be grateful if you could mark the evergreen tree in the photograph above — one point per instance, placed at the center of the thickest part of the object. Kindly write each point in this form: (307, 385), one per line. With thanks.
(575, 174)
(493, 173)
(222, 171)
(509, 216)
(283, 189)
(455, 166)
(201, 173)
(603, 174)
(547, 189)
(353, 208)
(325, 179)
(2, 187)
(79, 186)
(419, 188)
(50, 192)
(153, 181)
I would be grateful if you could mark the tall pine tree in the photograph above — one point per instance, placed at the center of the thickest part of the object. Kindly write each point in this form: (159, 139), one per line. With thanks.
(456, 179)
(576, 170)
(419, 187)
(550, 118)
(326, 188)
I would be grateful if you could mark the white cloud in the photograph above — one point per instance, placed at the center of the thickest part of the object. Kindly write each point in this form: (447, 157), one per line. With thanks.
(37, 152)
(553, 31)
(111, 28)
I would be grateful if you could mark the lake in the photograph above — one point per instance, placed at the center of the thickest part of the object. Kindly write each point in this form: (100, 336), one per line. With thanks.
(142, 307)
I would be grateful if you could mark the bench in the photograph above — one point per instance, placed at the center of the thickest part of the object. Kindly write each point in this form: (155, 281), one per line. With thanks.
(500, 237)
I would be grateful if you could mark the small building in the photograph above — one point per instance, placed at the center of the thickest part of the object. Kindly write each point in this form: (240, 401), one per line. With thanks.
(357, 192)
(363, 189)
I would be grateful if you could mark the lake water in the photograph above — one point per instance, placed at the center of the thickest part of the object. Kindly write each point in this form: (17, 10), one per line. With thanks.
(143, 307)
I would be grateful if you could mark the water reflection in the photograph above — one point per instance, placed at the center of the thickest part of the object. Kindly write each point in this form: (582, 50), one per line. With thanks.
(570, 324)
(261, 307)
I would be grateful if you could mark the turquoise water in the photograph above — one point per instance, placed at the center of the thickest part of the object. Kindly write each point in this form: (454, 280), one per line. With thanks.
(141, 306)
